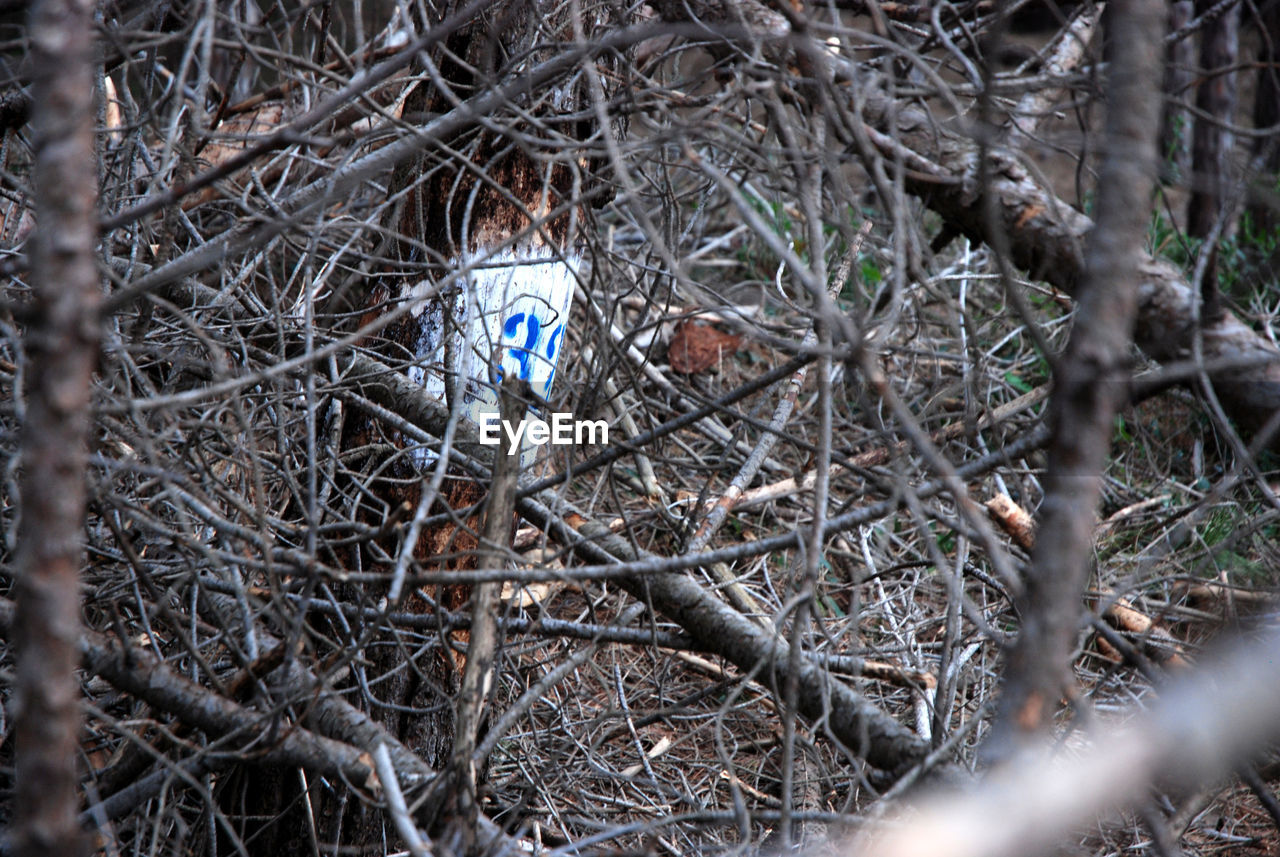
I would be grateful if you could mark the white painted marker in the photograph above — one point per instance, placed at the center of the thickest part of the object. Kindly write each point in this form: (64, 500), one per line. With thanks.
(517, 302)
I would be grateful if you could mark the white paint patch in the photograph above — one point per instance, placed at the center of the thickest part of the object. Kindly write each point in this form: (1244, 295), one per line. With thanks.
(516, 312)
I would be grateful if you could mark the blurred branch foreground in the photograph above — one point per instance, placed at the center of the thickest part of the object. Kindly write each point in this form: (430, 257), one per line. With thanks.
(829, 276)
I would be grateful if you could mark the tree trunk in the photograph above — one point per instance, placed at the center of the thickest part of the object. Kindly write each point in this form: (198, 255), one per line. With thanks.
(483, 278)
(62, 350)
(1175, 121)
(1212, 142)
(1264, 206)
(1091, 382)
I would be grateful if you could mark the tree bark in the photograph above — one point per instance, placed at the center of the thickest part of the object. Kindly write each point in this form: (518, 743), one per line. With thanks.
(1045, 236)
(1091, 381)
(1212, 142)
(62, 350)
(1175, 121)
(486, 266)
(1264, 207)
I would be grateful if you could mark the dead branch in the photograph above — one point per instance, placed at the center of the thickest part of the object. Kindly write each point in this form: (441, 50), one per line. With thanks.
(262, 738)
(861, 726)
(1046, 238)
(1201, 729)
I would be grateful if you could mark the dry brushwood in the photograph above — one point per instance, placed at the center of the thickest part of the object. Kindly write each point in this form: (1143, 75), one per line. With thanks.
(825, 272)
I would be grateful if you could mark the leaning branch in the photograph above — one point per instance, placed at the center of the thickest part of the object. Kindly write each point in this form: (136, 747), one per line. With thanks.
(851, 718)
(1046, 238)
(140, 673)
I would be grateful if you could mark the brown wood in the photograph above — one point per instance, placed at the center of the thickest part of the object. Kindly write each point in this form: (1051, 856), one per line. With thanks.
(458, 197)
(1090, 385)
(1175, 121)
(62, 350)
(1212, 142)
(1014, 520)
(1264, 202)
(1046, 237)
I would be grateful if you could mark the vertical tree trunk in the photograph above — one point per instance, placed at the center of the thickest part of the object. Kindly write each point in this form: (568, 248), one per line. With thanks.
(1090, 382)
(496, 227)
(1264, 209)
(1175, 121)
(486, 267)
(1212, 141)
(491, 225)
(62, 350)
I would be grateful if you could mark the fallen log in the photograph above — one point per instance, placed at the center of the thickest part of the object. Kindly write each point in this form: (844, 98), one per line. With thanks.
(1045, 237)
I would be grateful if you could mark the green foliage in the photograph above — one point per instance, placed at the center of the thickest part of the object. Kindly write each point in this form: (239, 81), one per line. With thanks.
(1244, 257)
(1165, 240)
(755, 255)
(1234, 554)
(1241, 569)
(870, 270)
(1017, 382)
(1170, 173)
(1217, 526)
(1122, 433)
(946, 541)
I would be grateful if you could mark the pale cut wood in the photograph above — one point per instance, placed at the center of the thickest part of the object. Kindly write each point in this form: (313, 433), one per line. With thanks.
(1014, 520)
(1155, 640)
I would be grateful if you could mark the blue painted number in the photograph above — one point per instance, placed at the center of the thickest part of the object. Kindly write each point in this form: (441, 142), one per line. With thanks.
(553, 345)
(526, 354)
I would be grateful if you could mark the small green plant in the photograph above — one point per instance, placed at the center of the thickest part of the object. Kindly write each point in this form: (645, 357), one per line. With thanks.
(1241, 569)
(870, 270)
(755, 255)
(946, 541)
(1017, 382)
(1122, 433)
(1245, 257)
(1166, 241)
(1170, 172)
(1219, 524)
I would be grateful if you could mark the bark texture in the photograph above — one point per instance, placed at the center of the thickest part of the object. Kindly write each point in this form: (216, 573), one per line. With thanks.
(1090, 379)
(713, 625)
(1175, 123)
(1212, 140)
(852, 719)
(1264, 207)
(1045, 237)
(480, 197)
(61, 350)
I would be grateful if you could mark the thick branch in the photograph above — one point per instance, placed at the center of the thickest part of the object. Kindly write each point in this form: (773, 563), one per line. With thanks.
(1046, 238)
(852, 719)
(139, 672)
(711, 624)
